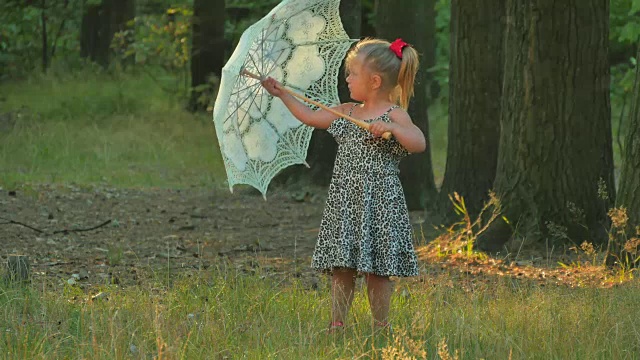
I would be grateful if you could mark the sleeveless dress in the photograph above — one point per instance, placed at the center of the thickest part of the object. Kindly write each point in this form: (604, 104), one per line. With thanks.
(365, 224)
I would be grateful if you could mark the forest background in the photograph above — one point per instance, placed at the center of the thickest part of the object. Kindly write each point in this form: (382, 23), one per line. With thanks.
(531, 111)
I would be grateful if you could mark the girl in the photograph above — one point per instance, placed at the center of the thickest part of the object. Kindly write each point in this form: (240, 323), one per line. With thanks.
(365, 226)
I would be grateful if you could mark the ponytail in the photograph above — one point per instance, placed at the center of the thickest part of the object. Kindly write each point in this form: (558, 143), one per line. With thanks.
(396, 63)
(406, 76)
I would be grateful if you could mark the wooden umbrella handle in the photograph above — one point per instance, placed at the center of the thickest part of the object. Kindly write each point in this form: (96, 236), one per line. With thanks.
(387, 135)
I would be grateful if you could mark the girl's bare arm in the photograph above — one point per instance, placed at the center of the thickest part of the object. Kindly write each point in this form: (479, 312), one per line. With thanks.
(320, 119)
(403, 130)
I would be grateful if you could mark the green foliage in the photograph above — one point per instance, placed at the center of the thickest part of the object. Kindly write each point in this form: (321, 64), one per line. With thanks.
(624, 22)
(21, 44)
(241, 14)
(440, 71)
(159, 42)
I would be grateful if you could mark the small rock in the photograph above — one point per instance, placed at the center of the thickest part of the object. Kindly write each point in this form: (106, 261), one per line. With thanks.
(84, 274)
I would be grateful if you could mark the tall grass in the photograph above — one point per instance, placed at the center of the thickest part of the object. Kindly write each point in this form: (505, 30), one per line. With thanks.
(229, 314)
(122, 130)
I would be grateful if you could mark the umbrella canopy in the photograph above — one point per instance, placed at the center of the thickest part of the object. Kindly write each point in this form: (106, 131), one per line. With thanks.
(300, 43)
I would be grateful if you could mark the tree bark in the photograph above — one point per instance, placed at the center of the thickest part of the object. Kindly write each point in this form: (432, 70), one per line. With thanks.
(409, 20)
(208, 46)
(629, 190)
(45, 41)
(555, 144)
(475, 90)
(99, 24)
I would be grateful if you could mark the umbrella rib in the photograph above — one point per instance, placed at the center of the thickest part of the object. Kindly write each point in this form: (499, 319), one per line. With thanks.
(325, 42)
(264, 35)
(245, 88)
(275, 63)
(238, 106)
(253, 102)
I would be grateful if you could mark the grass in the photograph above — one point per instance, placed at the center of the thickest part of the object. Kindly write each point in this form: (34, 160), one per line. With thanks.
(224, 313)
(121, 130)
(116, 129)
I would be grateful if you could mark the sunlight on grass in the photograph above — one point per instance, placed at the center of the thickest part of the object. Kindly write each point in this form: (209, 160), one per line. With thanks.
(95, 131)
(438, 122)
(227, 313)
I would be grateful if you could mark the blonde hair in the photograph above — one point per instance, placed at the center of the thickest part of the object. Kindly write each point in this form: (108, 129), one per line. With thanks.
(398, 75)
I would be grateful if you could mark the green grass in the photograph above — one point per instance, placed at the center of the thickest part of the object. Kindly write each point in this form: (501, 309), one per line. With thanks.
(222, 313)
(117, 129)
(123, 131)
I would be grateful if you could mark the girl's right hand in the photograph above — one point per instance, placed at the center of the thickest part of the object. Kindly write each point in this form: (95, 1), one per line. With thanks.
(273, 87)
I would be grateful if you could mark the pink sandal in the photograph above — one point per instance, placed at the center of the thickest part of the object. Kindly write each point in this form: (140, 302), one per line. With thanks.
(335, 326)
(383, 325)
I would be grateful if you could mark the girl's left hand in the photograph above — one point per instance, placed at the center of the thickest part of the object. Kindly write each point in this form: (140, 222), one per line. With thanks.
(380, 127)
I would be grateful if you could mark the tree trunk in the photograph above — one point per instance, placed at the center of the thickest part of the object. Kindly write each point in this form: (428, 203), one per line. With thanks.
(409, 20)
(555, 144)
(207, 49)
(629, 193)
(99, 24)
(475, 90)
(45, 41)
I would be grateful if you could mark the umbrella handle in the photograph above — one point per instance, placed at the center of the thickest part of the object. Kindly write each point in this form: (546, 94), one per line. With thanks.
(387, 135)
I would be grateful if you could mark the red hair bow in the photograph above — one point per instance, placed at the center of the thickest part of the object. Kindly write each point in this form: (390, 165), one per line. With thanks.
(397, 47)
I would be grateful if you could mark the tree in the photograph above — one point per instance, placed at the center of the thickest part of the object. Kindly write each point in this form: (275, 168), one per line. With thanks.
(629, 191)
(555, 141)
(99, 24)
(475, 88)
(412, 21)
(207, 49)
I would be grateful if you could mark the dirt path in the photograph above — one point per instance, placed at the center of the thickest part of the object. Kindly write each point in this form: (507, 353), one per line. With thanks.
(192, 227)
(153, 229)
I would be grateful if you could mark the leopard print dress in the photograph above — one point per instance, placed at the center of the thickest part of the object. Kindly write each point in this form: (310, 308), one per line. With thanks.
(365, 225)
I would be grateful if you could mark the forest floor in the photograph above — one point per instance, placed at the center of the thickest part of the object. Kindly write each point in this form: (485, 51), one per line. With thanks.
(100, 235)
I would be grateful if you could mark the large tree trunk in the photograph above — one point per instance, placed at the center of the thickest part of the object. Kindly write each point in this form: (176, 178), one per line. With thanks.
(99, 24)
(409, 20)
(208, 45)
(555, 144)
(629, 193)
(475, 89)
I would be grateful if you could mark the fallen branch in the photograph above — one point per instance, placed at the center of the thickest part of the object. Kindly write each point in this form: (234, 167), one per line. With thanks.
(9, 221)
(65, 231)
(81, 230)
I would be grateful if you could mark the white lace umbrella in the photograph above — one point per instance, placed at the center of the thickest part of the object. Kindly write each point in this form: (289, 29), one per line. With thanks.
(300, 43)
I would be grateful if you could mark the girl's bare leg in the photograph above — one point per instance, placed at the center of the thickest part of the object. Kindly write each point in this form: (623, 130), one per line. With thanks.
(379, 290)
(342, 287)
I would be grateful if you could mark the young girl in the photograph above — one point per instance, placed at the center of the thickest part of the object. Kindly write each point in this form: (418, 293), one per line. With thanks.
(365, 227)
